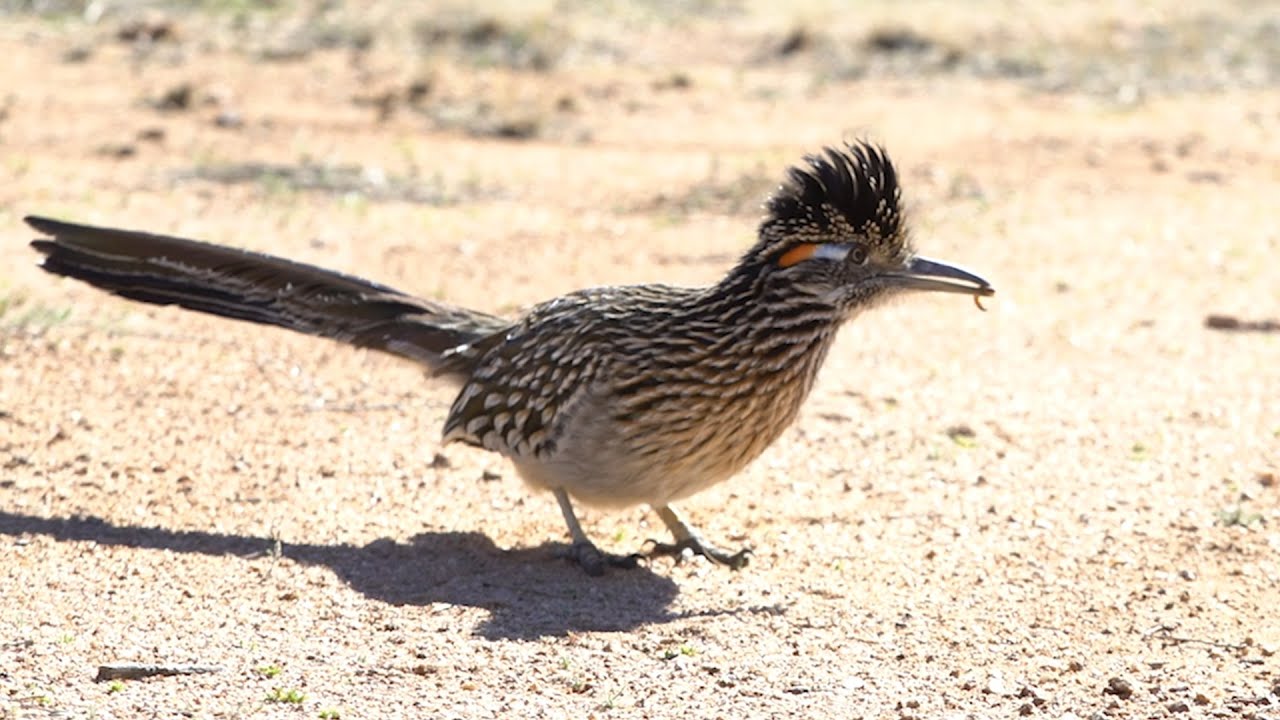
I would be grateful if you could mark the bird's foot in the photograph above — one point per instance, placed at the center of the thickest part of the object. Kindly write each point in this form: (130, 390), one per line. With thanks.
(594, 561)
(695, 545)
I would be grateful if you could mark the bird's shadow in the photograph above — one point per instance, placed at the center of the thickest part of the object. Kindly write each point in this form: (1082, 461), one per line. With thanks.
(528, 593)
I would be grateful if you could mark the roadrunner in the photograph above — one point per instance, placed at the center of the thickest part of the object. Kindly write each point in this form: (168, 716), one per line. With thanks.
(611, 396)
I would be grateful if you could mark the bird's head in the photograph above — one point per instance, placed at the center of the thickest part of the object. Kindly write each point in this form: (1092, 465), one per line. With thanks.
(835, 230)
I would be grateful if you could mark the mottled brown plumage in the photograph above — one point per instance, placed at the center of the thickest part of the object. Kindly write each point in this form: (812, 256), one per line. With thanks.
(612, 396)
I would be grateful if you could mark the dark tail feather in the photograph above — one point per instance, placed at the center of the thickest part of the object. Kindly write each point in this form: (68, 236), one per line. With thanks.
(259, 288)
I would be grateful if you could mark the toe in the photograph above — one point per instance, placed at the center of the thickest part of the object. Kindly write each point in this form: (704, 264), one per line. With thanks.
(693, 546)
(588, 557)
(595, 562)
(738, 560)
(625, 562)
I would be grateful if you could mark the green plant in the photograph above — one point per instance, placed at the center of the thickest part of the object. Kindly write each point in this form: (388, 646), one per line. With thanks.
(280, 695)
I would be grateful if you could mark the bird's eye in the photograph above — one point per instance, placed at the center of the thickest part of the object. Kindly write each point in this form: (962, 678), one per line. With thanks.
(858, 255)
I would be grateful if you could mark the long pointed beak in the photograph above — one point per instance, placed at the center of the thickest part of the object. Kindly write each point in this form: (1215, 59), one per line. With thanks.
(925, 274)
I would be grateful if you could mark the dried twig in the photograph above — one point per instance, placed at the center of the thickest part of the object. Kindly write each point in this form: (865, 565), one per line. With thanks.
(1233, 323)
(1165, 632)
(135, 671)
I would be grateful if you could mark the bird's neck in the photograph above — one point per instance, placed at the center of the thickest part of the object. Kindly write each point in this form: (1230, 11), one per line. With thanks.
(784, 330)
(753, 296)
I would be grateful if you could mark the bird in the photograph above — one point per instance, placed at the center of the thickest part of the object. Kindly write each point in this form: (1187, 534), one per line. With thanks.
(613, 396)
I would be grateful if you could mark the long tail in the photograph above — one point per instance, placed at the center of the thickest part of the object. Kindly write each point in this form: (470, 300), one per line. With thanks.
(260, 288)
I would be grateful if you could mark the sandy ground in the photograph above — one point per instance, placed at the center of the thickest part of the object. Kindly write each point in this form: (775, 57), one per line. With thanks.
(1065, 507)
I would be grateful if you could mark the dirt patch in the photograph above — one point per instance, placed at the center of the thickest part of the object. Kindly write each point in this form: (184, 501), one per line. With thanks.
(1064, 507)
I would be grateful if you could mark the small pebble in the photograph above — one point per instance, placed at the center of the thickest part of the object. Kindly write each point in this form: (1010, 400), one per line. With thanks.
(229, 119)
(1119, 687)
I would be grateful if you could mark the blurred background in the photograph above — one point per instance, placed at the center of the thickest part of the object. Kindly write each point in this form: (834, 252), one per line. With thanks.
(1064, 506)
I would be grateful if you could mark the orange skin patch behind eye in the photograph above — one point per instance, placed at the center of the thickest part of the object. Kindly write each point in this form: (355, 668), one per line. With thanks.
(797, 254)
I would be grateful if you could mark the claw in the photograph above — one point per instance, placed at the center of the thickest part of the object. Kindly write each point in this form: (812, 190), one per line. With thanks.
(594, 561)
(695, 546)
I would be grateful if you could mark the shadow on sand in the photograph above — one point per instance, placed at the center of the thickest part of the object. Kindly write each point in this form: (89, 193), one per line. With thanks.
(527, 593)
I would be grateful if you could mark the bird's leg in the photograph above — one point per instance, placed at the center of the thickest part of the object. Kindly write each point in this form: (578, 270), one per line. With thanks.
(584, 552)
(686, 538)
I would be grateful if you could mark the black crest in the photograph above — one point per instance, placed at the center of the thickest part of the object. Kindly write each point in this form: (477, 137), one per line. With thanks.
(837, 192)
